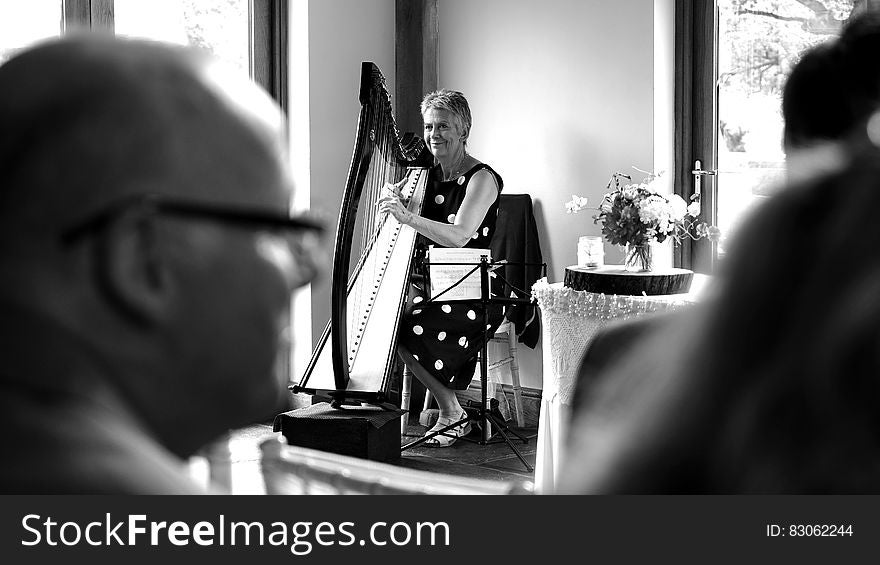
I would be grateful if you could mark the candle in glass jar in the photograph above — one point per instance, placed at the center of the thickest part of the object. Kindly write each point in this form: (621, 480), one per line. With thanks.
(591, 251)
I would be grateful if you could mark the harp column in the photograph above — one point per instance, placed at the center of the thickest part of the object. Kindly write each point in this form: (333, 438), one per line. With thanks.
(417, 69)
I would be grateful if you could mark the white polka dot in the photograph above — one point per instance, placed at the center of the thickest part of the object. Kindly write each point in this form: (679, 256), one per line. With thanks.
(441, 336)
(417, 299)
(450, 218)
(446, 308)
(418, 330)
(460, 180)
(485, 231)
(438, 364)
(472, 315)
(416, 357)
(488, 326)
(416, 312)
(475, 236)
(462, 341)
(439, 199)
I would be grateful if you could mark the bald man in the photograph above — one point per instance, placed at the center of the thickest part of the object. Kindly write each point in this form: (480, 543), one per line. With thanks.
(146, 263)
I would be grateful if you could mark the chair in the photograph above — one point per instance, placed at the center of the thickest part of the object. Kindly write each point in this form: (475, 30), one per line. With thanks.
(516, 239)
(289, 469)
(506, 334)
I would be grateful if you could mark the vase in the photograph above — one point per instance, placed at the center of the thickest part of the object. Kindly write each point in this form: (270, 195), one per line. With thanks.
(638, 258)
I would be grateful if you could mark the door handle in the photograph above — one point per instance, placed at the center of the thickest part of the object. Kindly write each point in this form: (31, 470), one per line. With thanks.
(699, 173)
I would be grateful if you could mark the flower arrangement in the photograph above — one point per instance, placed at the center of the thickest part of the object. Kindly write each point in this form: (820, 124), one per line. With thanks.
(636, 214)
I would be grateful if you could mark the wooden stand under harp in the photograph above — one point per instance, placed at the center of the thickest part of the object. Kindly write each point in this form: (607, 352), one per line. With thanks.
(354, 357)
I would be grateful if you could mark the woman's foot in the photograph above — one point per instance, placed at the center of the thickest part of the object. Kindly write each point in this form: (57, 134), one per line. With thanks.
(450, 436)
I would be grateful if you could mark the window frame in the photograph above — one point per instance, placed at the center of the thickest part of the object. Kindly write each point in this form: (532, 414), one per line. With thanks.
(87, 15)
(267, 37)
(696, 113)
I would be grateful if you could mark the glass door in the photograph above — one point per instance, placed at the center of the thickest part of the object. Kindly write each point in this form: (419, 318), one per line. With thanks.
(735, 56)
(24, 23)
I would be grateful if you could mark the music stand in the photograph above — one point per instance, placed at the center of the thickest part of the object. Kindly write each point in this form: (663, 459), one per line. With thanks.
(484, 415)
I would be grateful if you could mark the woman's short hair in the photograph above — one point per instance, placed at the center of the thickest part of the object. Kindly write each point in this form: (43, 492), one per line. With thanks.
(452, 101)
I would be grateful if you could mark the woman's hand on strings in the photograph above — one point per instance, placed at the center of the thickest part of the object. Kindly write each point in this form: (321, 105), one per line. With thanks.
(392, 202)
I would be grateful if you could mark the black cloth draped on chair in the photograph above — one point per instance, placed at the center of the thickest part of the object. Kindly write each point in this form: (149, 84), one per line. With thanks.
(516, 239)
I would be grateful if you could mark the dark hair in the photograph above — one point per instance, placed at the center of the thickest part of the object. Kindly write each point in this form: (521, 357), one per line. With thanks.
(835, 86)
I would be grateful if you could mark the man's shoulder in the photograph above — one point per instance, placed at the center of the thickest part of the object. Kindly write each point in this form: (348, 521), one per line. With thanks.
(73, 450)
(617, 341)
(623, 335)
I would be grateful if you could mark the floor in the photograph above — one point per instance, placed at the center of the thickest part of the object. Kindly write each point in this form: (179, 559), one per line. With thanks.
(494, 461)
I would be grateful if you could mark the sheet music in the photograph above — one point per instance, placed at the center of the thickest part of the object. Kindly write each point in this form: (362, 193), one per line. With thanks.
(444, 276)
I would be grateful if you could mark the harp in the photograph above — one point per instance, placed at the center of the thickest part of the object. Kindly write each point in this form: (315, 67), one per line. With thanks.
(354, 357)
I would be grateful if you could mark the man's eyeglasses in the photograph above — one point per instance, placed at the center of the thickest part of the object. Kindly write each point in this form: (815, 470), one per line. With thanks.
(161, 204)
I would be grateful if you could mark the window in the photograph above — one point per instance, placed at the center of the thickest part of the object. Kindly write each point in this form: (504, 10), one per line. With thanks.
(248, 34)
(218, 26)
(734, 57)
(24, 23)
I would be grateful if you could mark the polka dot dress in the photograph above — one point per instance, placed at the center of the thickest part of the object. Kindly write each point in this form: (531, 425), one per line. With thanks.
(445, 337)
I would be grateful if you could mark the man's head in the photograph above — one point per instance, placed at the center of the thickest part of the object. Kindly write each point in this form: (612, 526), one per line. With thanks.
(109, 149)
(835, 87)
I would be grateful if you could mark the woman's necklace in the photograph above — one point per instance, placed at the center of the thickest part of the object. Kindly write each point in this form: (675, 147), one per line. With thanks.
(457, 170)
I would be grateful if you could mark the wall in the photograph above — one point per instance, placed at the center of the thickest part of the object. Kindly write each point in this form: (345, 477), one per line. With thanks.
(562, 95)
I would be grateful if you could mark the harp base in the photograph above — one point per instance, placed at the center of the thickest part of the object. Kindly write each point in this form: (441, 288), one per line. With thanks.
(367, 432)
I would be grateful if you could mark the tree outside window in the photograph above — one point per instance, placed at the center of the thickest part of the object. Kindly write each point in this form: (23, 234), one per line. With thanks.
(759, 41)
(219, 26)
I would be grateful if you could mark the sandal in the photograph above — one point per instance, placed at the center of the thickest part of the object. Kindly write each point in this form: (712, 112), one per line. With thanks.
(450, 436)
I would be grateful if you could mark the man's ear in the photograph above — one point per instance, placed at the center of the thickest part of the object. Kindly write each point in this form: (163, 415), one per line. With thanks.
(132, 271)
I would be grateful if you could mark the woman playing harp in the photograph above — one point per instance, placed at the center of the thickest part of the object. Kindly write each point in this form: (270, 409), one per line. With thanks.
(439, 340)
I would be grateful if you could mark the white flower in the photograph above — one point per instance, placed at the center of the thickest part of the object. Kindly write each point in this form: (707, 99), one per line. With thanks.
(654, 210)
(656, 185)
(694, 209)
(576, 204)
(679, 207)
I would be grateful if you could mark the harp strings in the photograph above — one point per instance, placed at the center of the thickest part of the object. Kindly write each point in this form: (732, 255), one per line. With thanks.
(384, 167)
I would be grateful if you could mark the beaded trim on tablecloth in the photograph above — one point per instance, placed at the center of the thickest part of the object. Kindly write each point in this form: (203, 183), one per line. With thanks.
(571, 318)
(558, 299)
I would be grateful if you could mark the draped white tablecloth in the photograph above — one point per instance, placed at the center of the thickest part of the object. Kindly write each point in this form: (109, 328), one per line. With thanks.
(570, 319)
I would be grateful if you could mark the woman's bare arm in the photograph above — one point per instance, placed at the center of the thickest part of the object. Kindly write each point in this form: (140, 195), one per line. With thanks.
(481, 193)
